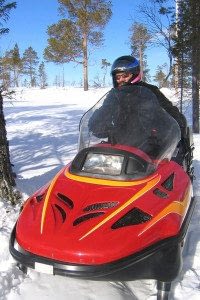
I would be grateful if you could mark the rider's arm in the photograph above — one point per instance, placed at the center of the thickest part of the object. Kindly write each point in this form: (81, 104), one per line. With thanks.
(101, 121)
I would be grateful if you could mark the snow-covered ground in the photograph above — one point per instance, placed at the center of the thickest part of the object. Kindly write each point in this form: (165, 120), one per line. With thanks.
(42, 128)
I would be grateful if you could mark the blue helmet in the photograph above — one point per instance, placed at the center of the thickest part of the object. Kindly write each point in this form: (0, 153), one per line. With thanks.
(128, 64)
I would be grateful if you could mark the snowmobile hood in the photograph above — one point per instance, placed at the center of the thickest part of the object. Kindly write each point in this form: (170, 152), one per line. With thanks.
(88, 220)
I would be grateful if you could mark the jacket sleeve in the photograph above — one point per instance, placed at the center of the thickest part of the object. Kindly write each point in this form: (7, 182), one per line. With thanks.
(101, 121)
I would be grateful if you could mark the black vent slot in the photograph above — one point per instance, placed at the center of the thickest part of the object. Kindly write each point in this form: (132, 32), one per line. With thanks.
(87, 217)
(98, 206)
(61, 211)
(39, 197)
(168, 184)
(66, 200)
(160, 194)
(133, 217)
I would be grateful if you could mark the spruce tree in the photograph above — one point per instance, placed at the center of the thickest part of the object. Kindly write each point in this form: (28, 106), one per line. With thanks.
(42, 76)
(104, 65)
(181, 38)
(187, 50)
(80, 28)
(30, 62)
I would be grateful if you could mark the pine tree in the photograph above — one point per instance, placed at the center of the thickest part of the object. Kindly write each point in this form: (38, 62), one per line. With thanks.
(4, 14)
(7, 180)
(195, 61)
(70, 38)
(5, 9)
(12, 63)
(17, 64)
(139, 39)
(104, 65)
(6, 175)
(30, 62)
(146, 72)
(159, 21)
(42, 76)
(5, 73)
(160, 77)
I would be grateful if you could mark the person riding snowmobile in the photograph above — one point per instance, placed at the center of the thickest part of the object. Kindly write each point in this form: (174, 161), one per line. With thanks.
(126, 70)
(126, 74)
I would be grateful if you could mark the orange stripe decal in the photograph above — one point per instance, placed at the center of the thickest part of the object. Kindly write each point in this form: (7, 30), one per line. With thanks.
(107, 182)
(177, 207)
(46, 200)
(145, 189)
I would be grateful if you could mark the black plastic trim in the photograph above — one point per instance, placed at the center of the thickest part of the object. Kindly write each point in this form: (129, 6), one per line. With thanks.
(77, 163)
(87, 217)
(101, 205)
(66, 200)
(61, 211)
(133, 217)
(168, 184)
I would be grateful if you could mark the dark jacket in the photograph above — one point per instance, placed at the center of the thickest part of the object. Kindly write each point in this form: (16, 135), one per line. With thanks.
(114, 105)
(131, 112)
(168, 106)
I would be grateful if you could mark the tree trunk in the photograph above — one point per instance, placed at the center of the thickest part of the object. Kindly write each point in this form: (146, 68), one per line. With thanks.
(141, 61)
(176, 77)
(7, 181)
(195, 96)
(195, 8)
(16, 83)
(85, 63)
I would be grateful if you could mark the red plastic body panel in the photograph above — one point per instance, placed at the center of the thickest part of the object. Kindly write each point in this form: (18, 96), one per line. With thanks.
(80, 230)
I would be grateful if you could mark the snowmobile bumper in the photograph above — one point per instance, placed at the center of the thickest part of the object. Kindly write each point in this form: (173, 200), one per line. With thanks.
(161, 261)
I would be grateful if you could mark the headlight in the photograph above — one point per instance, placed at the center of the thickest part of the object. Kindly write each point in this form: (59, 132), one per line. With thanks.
(103, 164)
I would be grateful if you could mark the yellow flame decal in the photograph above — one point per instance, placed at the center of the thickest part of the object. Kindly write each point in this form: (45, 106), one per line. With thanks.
(177, 207)
(46, 200)
(107, 182)
(145, 189)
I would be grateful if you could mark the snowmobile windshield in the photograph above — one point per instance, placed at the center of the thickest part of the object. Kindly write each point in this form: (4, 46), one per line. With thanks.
(131, 116)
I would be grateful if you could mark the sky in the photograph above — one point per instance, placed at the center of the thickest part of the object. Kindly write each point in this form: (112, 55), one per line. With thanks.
(28, 25)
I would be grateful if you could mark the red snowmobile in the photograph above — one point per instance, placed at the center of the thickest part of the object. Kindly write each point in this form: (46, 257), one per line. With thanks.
(120, 210)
